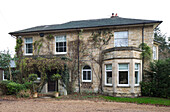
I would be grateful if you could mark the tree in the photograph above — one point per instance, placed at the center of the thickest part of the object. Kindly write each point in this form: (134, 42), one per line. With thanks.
(99, 39)
(5, 59)
(164, 48)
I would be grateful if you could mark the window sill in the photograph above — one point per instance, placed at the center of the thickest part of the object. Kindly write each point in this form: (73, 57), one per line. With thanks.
(108, 85)
(60, 52)
(28, 54)
(86, 81)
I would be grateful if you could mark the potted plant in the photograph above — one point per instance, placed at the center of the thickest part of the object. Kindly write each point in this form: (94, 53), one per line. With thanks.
(33, 78)
(55, 77)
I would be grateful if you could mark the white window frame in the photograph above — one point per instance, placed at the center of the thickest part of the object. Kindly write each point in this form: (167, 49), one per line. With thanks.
(25, 46)
(107, 84)
(3, 75)
(121, 38)
(138, 74)
(123, 70)
(86, 70)
(55, 44)
(154, 51)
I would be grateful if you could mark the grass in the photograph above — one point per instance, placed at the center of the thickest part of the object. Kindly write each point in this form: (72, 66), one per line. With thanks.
(140, 100)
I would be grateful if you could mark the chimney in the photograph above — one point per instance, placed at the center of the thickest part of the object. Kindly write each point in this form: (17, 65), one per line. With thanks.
(112, 15)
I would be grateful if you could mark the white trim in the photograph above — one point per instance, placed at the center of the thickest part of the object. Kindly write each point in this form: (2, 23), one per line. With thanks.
(107, 84)
(118, 75)
(138, 74)
(86, 74)
(25, 47)
(3, 75)
(55, 45)
(154, 51)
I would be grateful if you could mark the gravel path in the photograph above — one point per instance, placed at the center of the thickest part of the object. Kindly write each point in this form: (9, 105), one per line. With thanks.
(52, 105)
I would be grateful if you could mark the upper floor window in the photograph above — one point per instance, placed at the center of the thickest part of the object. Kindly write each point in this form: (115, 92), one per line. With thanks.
(154, 52)
(121, 39)
(86, 74)
(123, 77)
(28, 46)
(61, 47)
(137, 73)
(108, 75)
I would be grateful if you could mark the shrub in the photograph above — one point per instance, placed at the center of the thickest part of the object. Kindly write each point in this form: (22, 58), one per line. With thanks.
(3, 86)
(24, 93)
(9, 87)
(14, 88)
(159, 80)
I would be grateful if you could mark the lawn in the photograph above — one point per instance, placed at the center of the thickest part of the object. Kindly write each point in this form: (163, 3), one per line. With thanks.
(140, 100)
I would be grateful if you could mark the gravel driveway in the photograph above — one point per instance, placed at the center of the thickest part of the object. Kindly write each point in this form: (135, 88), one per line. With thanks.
(52, 105)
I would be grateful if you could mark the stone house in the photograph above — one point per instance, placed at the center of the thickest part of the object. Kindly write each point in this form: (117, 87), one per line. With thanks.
(122, 65)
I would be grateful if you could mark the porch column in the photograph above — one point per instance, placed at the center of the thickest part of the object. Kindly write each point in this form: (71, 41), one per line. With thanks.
(132, 76)
(114, 75)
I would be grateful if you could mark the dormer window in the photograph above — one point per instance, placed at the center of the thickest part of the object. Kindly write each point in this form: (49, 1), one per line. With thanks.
(121, 39)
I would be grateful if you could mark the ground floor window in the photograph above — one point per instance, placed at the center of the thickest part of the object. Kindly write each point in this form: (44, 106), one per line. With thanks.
(86, 74)
(108, 74)
(137, 74)
(123, 75)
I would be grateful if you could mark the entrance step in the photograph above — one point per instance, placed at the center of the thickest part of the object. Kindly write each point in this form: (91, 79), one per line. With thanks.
(46, 95)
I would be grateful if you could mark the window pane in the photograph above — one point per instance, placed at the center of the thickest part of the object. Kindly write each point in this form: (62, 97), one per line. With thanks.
(123, 66)
(120, 42)
(121, 39)
(84, 75)
(61, 44)
(89, 75)
(123, 77)
(60, 49)
(136, 66)
(29, 48)
(60, 39)
(136, 77)
(109, 77)
(123, 34)
(108, 67)
(28, 40)
(64, 49)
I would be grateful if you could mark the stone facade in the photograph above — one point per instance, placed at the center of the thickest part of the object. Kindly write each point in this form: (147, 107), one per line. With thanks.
(114, 56)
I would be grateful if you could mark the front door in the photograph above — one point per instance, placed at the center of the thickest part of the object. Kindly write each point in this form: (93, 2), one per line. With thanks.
(51, 86)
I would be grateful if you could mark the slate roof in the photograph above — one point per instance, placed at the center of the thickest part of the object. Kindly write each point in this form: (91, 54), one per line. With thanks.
(115, 21)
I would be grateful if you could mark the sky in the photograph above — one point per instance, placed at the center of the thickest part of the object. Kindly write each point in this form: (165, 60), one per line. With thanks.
(21, 14)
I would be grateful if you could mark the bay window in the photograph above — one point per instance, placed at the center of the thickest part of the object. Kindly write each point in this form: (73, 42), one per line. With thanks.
(123, 75)
(108, 74)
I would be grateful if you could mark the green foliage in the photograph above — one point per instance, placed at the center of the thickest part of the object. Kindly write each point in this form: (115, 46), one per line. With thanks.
(55, 77)
(5, 59)
(158, 84)
(49, 37)
(146, 51)
(18, 44)
(164, 47)
(142, 100)
(32, 77)
(14, 88)
(10, 87)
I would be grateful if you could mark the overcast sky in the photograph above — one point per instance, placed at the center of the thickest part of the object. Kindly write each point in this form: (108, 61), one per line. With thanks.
(21, 14)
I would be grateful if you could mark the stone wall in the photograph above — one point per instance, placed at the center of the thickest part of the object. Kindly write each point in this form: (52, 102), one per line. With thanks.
(131, 56)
